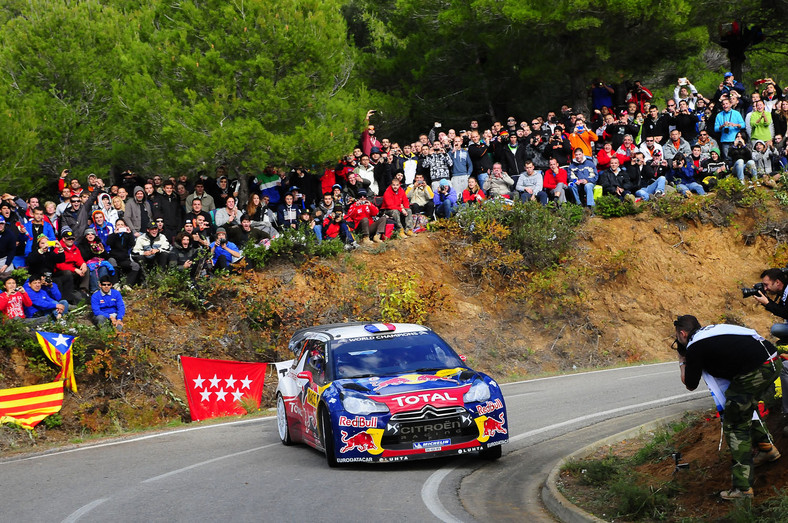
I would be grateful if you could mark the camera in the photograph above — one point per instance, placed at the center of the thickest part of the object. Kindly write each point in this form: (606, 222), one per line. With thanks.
(758, 287)
(223, 241)
(47, 278)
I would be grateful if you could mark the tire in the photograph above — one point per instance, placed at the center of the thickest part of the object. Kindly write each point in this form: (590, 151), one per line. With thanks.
(281, 421)
(491, 453)
(327, 438)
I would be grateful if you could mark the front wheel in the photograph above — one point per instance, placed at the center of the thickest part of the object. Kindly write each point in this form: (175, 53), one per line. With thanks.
(327, 438)
(491, 453)
(281, 421)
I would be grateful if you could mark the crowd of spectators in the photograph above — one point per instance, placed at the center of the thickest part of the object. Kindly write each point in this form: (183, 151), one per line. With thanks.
(94, 239)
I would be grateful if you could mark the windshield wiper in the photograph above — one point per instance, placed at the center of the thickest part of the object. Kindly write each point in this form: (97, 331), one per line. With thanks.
(427, 369)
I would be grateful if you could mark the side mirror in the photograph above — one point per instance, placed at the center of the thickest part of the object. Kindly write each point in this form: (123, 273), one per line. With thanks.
(463, 358)
(305, 375)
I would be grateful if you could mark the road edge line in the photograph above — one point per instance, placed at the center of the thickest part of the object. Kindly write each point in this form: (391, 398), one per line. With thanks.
(563, 509)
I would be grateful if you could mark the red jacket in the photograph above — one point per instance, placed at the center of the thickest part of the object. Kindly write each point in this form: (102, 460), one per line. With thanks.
(394, 201)
(603, 159)
(13, 306)
(358, 211)
(74, 259)
(469, 197)
(551, 180)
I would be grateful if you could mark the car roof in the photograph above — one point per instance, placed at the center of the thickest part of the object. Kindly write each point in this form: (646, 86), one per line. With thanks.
(352, 330)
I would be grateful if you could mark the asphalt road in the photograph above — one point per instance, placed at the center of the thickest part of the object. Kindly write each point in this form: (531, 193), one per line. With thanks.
(239, 471)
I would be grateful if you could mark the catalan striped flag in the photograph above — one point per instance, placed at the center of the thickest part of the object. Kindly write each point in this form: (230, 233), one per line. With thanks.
(57, 348)
(27, 406)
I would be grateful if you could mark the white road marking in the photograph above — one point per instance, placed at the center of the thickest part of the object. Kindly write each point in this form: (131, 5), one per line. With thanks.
(560, 376)
(429, 492)
(74, 516)
(133, 440)
(184, 469)
(649, 375)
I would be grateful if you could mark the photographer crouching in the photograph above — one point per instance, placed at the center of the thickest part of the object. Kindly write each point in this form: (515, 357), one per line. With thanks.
(775, 281)
(750, 365)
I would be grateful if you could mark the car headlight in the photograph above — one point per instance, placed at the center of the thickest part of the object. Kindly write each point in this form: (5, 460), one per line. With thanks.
(479, 391)
(360, 405)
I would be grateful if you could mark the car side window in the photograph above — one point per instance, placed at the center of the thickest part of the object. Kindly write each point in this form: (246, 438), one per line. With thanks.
(316, 360)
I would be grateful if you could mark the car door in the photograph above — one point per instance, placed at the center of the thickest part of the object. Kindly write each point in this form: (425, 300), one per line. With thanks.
(313, 361)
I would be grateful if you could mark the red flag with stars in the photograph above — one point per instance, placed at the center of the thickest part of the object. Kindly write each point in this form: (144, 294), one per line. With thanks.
(216, 387)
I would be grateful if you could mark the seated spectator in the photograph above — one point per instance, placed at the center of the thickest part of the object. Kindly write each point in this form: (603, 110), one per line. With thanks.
(555, 182)
(106, 208)
(324, 208)
(762, 158)
(582, 177)
(396, 206)
(14, 300)
(363, 217)
(287, 216)
(119, 245)
(740, 157)
(228, 216)
(102, 228)
(530, 184)
(119, 206)
(715, 165)
(684, 177)
(499, 183)
(445, 200)
(615, 181)
(676, 144)
(72, 273)
(261, 217)
(8, 238)
(306, 224)
(603, 156)
(46, 300)
(246, 234)
(198, 212)
(96, 256)
(50, 214)
(473, 194)
(646, 181)
(707, 143)
(626, 151)
(45, 257)
(335, 226)
(420, 196)
(152, 248)
(225, 253)
(355, 184)
(107, 305)
(558, 147)
(184, 252)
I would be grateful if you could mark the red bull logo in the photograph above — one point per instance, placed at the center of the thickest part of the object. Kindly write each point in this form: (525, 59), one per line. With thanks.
(494, 426)
(362, 441)
(411, 379)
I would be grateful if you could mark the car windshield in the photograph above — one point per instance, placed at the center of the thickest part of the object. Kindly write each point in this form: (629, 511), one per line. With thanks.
(391, 354)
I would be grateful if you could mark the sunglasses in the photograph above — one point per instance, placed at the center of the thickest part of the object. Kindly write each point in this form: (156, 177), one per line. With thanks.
(106, 284)
(76, 201)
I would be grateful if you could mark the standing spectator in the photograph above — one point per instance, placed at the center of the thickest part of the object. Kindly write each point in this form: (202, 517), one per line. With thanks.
(420, 196)
(14, 300)
(728, 122)
(656, 126)
(396, 206)
(198, 211)
(439, 164)
(478, 151)
(639, 94)
(445, 200)
(171, 209)
(512, 156)
(759, 124)
(199, 193)
(780, 118)
(558, 147)
(77, 215)
(555, 182)
(685, 92)
(615, 132)
(287, 216)
(686, 122)
(601, 96)
(728, 86)
(366, 171)
(119, 245)
(582, 137)
(8, 238)
(368, 139)
(462, 166)
(36, 227)
(107, 305)
(45, 298)
(138, 213)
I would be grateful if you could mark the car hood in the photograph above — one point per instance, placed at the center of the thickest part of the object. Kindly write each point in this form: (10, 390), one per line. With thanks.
(386, 385)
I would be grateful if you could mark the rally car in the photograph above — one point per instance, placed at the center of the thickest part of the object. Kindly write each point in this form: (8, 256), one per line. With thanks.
(386, 392)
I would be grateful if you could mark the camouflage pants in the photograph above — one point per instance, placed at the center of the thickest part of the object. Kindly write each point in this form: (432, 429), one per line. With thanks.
(741, 432)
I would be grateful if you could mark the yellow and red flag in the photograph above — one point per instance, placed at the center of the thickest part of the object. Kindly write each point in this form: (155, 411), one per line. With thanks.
(57, 348)
(27, 406)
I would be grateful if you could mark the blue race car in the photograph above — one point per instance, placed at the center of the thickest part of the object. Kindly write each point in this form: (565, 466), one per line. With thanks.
(386, 392)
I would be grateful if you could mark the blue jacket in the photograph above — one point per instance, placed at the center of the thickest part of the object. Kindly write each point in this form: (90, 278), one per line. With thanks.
(462, 165)
(728, 133)
(682, 175)
(44, 301)
(104, 305)
(49, 232)
(440, 197)
(221, 251)
(582, 171)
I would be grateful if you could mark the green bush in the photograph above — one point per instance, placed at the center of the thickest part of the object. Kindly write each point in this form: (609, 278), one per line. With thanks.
(292, 244)
(175, 285)
(608, 206)
(541, 234)
(774, 509)
(595, 472)
(638, 502)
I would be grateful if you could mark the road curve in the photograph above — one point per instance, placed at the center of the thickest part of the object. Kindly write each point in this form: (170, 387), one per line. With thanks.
(239, 471)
